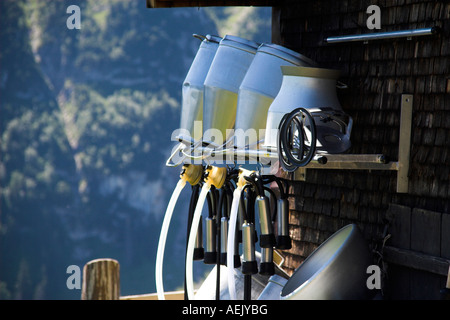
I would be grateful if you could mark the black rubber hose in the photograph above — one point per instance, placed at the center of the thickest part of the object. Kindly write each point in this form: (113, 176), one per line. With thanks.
(210, 205)
(304, 159)
(242, 202)
(279, 182)
(289, 162)
(247, 287)
(274, 201)
(250, 212)
(220, 213)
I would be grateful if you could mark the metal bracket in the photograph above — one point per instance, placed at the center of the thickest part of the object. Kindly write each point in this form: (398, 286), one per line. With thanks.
(321, 160)
(300, 174)
(404, 143)
(374, 161)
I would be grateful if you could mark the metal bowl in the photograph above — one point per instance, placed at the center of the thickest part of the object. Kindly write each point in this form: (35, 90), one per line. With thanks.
(336, 270)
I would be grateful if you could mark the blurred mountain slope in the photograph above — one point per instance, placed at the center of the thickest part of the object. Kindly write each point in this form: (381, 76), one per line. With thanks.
(86, 120)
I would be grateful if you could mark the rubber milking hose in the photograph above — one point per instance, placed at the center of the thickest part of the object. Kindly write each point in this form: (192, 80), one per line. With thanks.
(292, 163)
(163, 236)
(272, 194)
(235, 204)
(231, 239)
(191, 240)
(192, 205)
(219, 215)
(250, 218)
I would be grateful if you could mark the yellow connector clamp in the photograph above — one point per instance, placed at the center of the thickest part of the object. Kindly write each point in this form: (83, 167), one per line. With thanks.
(191, 173)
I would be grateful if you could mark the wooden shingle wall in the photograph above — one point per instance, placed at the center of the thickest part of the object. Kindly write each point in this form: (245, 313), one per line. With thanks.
(377, 73)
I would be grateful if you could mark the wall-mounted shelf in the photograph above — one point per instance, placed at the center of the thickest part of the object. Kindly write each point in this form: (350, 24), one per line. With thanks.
(320, 161)
(373, 161)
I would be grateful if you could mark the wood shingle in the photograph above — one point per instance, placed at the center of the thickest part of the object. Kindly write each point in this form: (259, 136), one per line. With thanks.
(377, 74)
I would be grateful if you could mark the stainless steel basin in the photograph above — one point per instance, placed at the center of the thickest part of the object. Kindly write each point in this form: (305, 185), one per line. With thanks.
(336, 270)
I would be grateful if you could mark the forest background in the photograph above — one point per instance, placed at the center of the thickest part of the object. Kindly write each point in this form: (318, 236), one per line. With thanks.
(86, 119)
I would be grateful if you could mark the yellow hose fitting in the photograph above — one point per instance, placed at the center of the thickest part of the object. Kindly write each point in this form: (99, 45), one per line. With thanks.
(241, 180)
(215, 176)
(191, 173)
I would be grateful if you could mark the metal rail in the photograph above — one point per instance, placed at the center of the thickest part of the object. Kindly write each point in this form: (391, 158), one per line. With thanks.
(383, 35)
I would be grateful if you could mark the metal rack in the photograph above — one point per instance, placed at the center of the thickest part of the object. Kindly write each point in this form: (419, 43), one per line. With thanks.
(328, 161)
(373, 161)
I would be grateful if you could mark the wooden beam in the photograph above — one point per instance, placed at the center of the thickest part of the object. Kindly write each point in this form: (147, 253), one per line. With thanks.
(399, 225)
(416, 260)
(101, 280)
(174, 295)
(210, 3)
(404, 145)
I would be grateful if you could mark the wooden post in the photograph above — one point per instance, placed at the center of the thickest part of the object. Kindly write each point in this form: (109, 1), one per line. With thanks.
(101, 280)
(447, 286)
(445, 293)
(404, 143)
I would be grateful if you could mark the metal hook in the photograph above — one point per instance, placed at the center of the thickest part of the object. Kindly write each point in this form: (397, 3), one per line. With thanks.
(199, 36)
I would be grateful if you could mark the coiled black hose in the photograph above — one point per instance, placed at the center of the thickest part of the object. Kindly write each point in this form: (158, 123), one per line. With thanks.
(286, 140)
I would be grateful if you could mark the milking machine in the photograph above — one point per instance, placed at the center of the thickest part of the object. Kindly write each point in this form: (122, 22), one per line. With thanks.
(214, 176)
(263, 107)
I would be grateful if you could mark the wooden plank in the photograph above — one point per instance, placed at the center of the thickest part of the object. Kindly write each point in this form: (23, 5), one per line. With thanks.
(445, 236)
(101, 280)
(276, 26)
(416, 260)
(174, 295)
(404, 146)
(208, 3)
(399, 284)
(426, 231)
(399, 226)
(425, 286)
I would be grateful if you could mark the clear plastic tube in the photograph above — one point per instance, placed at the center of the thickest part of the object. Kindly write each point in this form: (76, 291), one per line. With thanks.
(163, 236)
(230, 243)
(191, 241)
